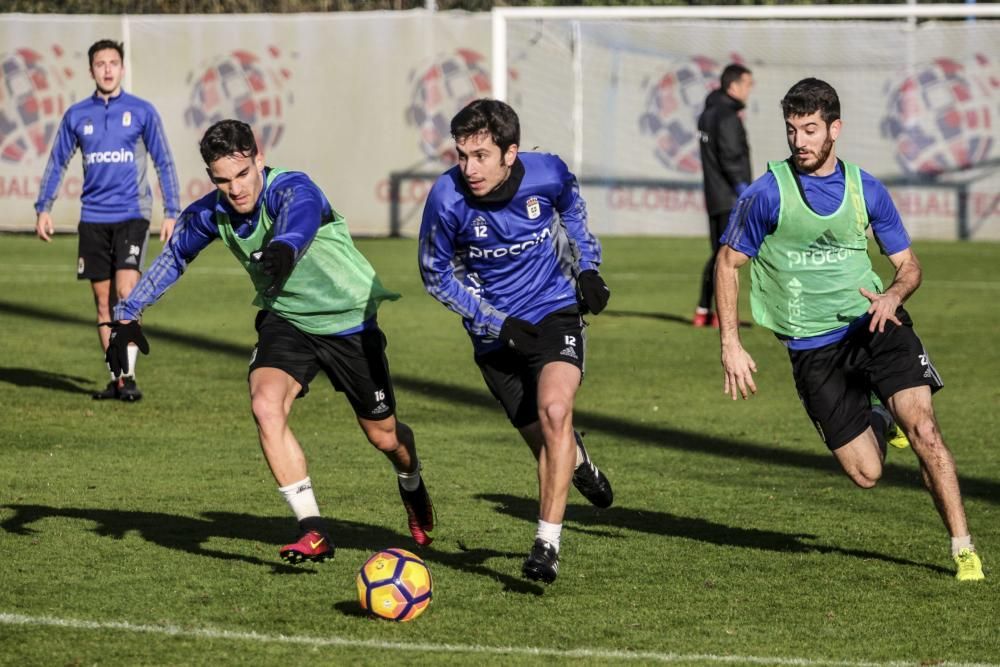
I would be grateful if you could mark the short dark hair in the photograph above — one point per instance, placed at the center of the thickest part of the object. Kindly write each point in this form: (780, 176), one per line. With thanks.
(103, 44)
(486, 115)
(225, 138)
(732, 74)
(809, 96)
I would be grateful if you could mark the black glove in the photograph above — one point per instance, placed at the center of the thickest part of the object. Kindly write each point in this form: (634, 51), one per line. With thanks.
(276, 260)
(592, 292)
(520, 335)
(121, 336)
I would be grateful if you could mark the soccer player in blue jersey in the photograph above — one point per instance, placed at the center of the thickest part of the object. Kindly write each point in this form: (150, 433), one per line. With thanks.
(504, 243)
(318, 298)
(802, 226)
(114, 131)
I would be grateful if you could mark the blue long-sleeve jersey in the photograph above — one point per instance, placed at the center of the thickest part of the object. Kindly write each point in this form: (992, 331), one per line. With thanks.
(293, 201)
(520, 258)
(115, 138)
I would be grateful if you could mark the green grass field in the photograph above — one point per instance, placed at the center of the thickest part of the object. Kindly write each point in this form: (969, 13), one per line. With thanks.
(148, 533)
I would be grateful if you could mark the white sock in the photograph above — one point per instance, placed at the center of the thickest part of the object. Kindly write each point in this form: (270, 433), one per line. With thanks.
(300, 498)
(549, 532)
(113, 378)
(959, 543)
(133, 355)
(410, 481)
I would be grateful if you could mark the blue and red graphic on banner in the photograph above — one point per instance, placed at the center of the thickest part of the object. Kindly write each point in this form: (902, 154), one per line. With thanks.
(673, 103)
(243, 85)
(439, 92)
(34, 94)
(943, 116)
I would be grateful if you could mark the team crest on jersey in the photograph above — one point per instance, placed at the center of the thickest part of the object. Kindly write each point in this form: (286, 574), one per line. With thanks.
(88, 128)
(127, 119)
(533, 207)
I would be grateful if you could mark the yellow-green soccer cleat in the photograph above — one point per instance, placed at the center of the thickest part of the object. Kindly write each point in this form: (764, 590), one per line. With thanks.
(970, 568)
(894, 435)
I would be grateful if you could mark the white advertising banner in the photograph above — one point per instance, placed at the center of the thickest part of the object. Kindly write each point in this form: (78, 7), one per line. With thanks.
(620, 101)
(347, 98)
(355, 98)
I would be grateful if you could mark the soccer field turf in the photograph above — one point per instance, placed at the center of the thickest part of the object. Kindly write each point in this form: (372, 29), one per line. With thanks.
(148, 533)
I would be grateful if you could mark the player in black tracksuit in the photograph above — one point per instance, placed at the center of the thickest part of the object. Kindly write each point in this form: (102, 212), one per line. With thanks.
(725, 163)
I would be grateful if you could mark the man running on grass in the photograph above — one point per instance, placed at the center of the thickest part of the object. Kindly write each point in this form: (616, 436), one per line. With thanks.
(854, 353)
(319, 299)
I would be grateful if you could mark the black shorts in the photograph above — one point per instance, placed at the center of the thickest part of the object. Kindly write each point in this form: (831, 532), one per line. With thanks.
(512, 377)
(834, 381)
(355, 364)
(108, 247)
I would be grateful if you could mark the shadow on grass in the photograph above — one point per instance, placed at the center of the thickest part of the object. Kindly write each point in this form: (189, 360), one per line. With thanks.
(664, 317)
(615, 428)
(31, 377)
(585, 517)
(986, 490)
(190, 535)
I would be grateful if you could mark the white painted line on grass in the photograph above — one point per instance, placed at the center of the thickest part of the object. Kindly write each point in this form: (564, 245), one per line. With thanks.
(591, 653)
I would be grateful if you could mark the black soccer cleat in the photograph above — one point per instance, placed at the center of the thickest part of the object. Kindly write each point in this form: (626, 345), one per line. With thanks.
(128, 391)
(590, 481)
(108, 393)
(542, 564)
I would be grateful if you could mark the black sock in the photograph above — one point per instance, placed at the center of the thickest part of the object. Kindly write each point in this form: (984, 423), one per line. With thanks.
(879, 426)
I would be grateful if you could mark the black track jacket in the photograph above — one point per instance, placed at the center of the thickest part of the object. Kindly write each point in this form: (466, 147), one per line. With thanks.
(725, 154)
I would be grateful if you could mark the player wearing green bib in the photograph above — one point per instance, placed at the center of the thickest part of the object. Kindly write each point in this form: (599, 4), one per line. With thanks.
(318, 298)
(861, 372)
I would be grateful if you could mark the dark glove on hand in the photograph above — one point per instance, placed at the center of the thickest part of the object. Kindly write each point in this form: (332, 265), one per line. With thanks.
(520, 335)
(592, 292)
(121, 336)
(276, 260)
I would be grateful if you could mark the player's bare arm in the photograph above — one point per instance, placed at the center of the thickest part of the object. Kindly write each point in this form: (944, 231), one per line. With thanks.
(737, 365)
(907, 280)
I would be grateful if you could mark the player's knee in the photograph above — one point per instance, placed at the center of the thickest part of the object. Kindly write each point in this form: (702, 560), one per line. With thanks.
(555, 413)
(865, 483)
(267, 412)
(383, 439)
(865, 478)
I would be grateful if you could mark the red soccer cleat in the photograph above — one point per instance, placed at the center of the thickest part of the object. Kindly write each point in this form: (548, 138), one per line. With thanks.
(419, 513)
(312, 546)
